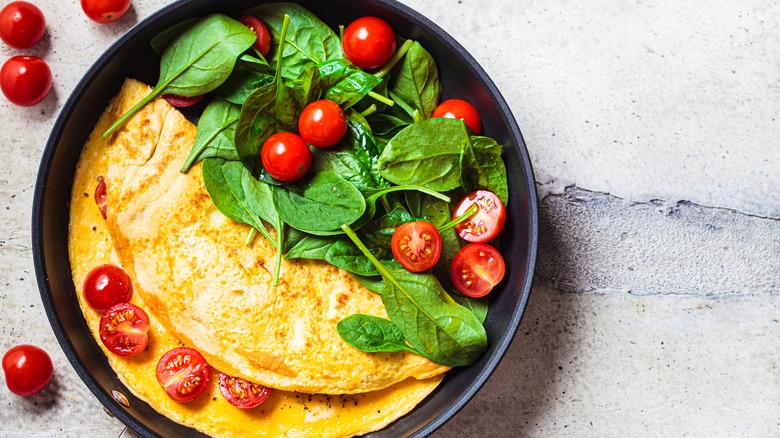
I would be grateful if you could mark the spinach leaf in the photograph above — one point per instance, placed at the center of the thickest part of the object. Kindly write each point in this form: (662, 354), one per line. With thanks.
(198, 61)
(374, 284)
(306, 246)
(345, 255)
(483, 167)
(241, 84)
(344, 83)
(372, 334)
(216, 129)
(379, 232)
(162, 40)
(477, 306)
(375, 196)
(416, 80)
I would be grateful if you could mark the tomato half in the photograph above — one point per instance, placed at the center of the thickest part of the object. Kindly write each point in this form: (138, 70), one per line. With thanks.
(242, 393)
(476, 269)
(124, 329)
(27, 368)
(101, 196)
(461, 110)
(105, 11)
(263, 41)
(25, 80)
(286, 156)
(416, 245)
(182, 101)
(183, 373)
(106, 285)
(21, 24)
(368, 42)
(322, 123)
(487, 222)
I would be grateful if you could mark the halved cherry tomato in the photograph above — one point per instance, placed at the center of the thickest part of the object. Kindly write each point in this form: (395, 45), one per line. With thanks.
(368, 42)
(21, 24)
(105, 11)
(106, 285)
(101, 195)
(124, 329)
(242, 393)
(183, 373)
(322, 123)
(182, 101)
(416, 245)
(286, 156)
(263, 41)
(27, 368)
(25, 80)
(461, 110)
(476, 268)
(487, 222)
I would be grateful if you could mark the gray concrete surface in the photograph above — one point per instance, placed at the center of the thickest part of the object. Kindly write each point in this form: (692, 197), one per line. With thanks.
(653, 130)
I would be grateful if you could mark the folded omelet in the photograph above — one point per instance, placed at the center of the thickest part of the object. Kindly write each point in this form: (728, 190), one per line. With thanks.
(203, 287)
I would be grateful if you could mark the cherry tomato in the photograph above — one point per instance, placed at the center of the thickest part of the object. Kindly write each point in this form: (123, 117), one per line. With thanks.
(476, 268)
(286, 156)
(101, 195)
(487, 222)
(28, 369)
(124, 329)
(105, 11)
(242, 393)
(183, 373)
(322, 123)
(416, 245)
(25, 80)
(263, 41)
(106, 285)
(21, 24)
(182, 101)
(461, 110)
(368, 42)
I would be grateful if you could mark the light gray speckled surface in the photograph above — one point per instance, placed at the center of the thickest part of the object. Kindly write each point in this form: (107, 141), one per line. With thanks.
(647, 318)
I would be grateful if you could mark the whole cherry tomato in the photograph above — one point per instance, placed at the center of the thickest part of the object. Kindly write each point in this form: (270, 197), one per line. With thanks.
(416, 245)
(25, 80)
(105, 11)
(21, 24)
(368, 42)
(487, 222)
(106, 285)
(476, 269)
(124, 329)
(28, 369)
(285, 156)
(242, 393)
(461, 110)
(322, 123)
(183, 373)
(263, 41)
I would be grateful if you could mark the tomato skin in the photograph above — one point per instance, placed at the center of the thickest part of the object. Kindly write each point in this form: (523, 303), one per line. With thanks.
(124, 329)
(25, 80)
(101, 195)
(27, 368)
(263, 41)
(476, 269)
(416, 245)
(183, 373)
(487, 222)
(286, 156)
(242, 393)
(368, 42)
(182, 101)
(106, 285)
(105, 11)
(461, 110)
(21, 24)
(322, 123)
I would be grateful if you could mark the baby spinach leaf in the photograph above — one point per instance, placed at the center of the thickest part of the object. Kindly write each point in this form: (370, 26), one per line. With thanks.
(416, 80)
(259, 198)
(344, 83)
(162, 40)
(216, 129)
(306, 246)
(477, 306)
(241, 84)
(374, 284)
(483, 167)
(372, 334)
(345, 255)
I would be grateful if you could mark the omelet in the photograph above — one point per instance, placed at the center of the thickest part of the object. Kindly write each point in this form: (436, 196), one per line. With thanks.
(203, 287)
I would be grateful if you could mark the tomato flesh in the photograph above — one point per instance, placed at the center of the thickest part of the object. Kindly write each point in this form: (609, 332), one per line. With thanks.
(27, 368)
(105, 11)
(101, 196)
(25, 80)
(461, 110)
(263, 41)
(183, 373)
(21, 24)
(182, 101)
(285, 156)
(487, 222)
(124, 329)
(106, 285)
(322, 123)
(416, 245)
(476, 269)
(368, 42)
(242, 393)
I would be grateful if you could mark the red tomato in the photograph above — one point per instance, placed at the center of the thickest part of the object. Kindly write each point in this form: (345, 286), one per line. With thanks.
(460, 110)
(263, 41)
(21, 24)
(106, 285)
(25, 80)
(105, 11)
(368, 42)
(286, 156)
(242, 393)
(182, 101)
(476, 268)
(322, 123)
(101, 195)
(416, 245)
(487, 222)
(28, 369)
(123, 329)
(183, 373)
